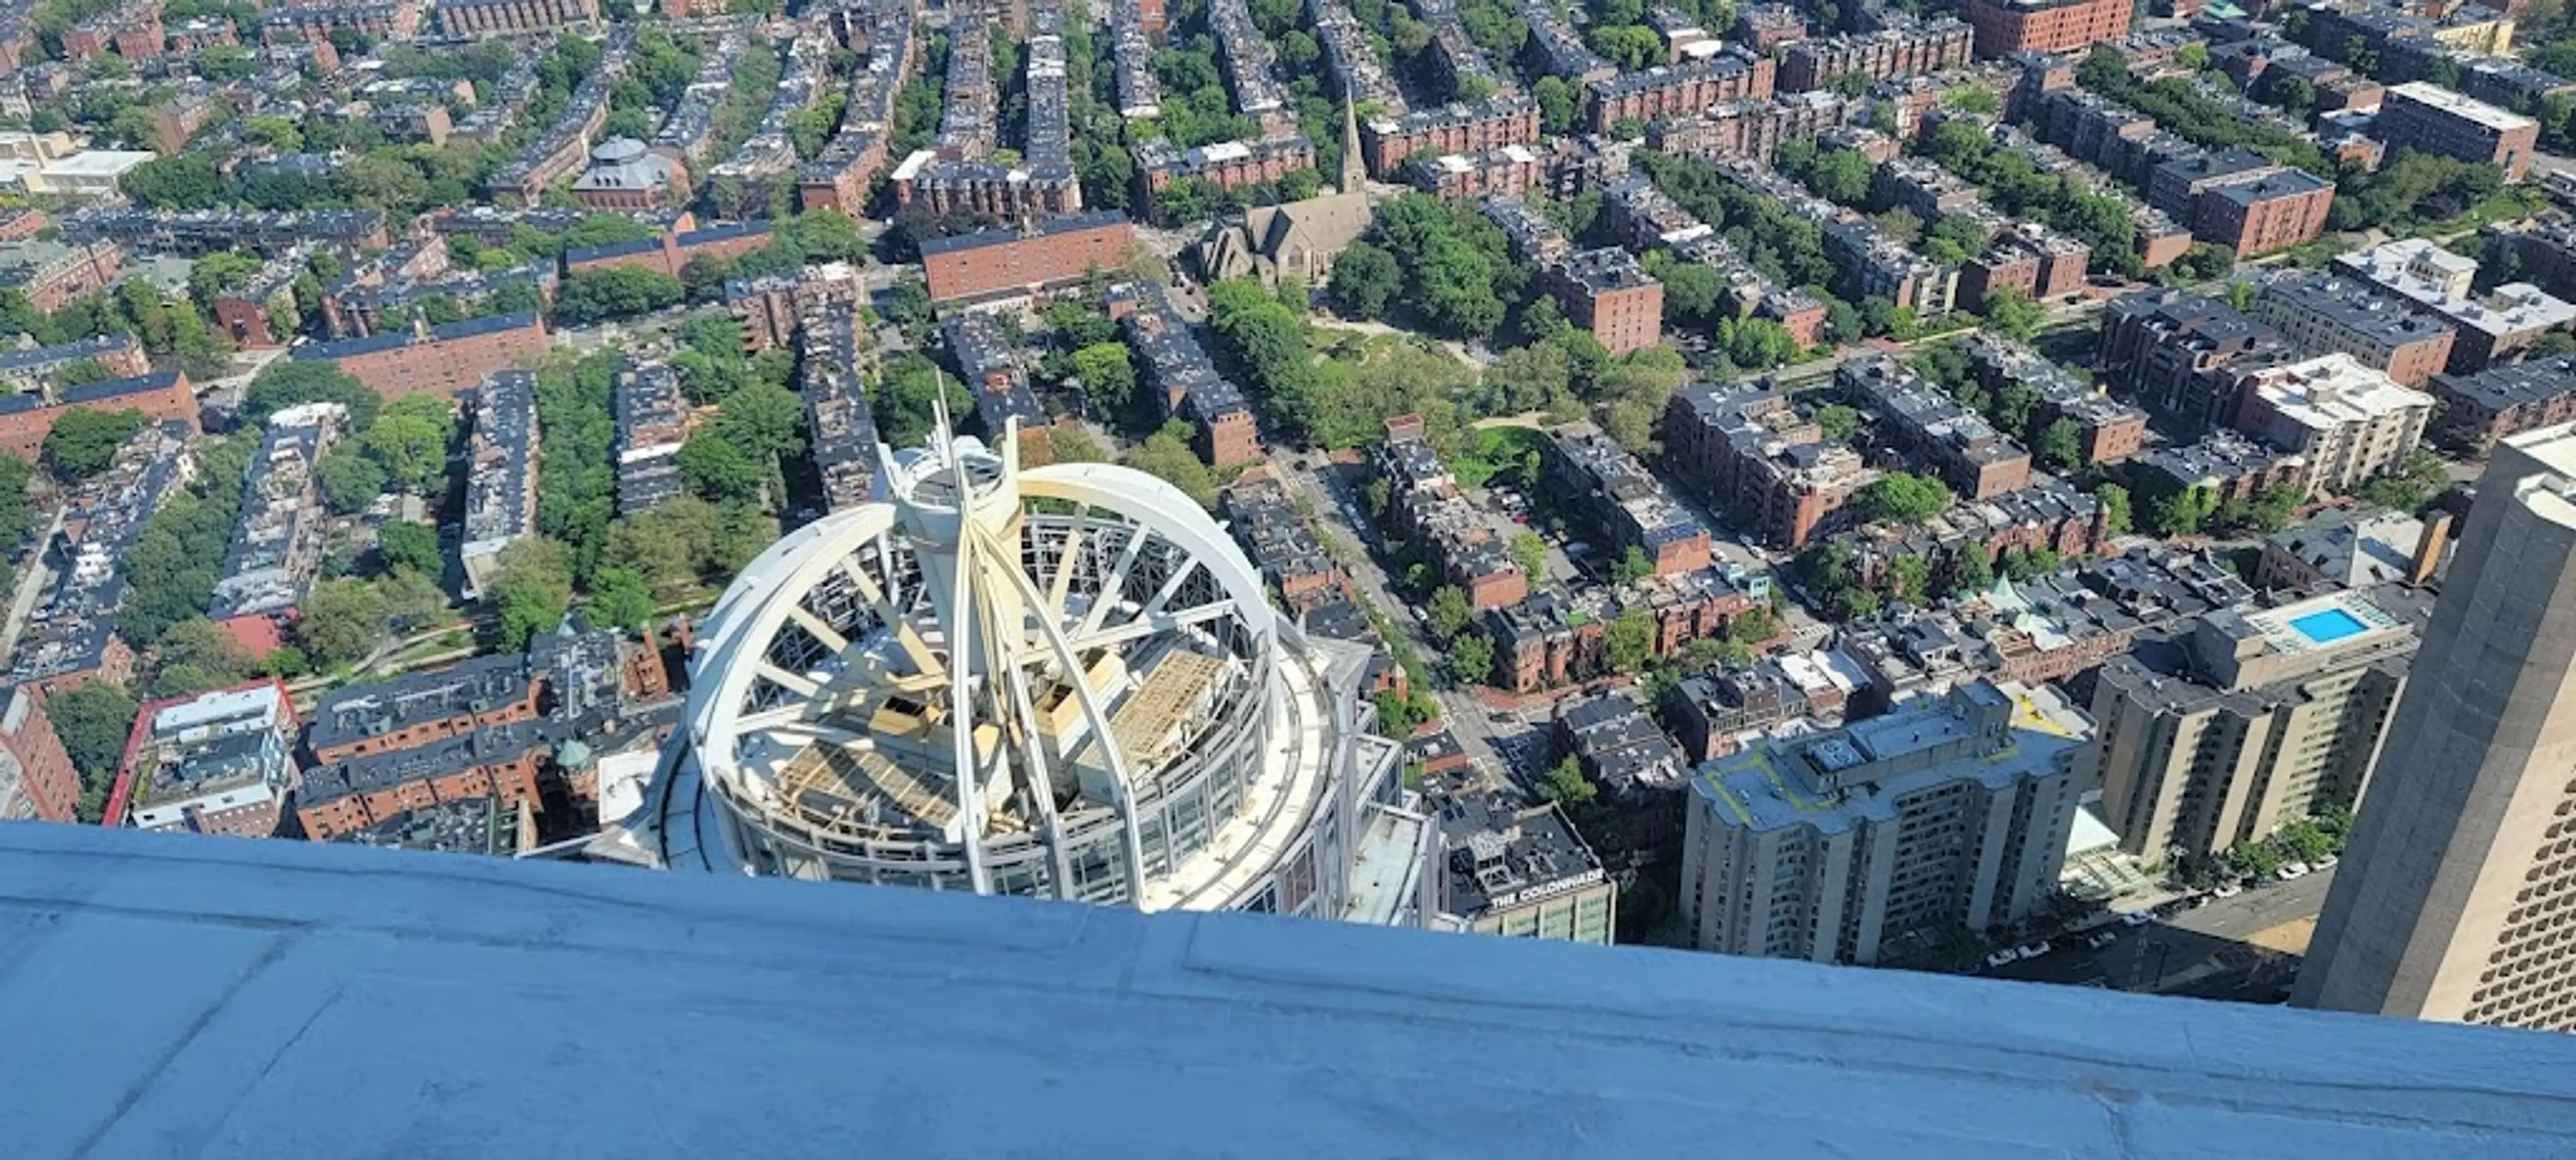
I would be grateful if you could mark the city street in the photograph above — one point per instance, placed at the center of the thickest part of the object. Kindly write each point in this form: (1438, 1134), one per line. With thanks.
(2244, 948)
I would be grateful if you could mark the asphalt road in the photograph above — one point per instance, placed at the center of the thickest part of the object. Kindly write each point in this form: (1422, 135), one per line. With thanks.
(2201, 952)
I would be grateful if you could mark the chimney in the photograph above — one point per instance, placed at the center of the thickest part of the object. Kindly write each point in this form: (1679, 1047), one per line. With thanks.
(2428, 549)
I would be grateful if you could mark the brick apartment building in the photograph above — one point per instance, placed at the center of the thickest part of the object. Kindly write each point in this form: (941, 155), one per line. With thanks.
(27, 417)
(1585, 471)
(2107, 430)
(446, 361)
(1000, 263)
(1441, 528)
(36, 774)
(2428, 118)
(219, 762)
(316, 22)
(2273, 212)
(2005, 27)
(2324, 312)
(1977, 461)
(1183, 378)
(54, 274)
(2039, 263)
(2480, 409)
(1760, 463)
(1750, 129)
(1903, 48)
(481, 18)
(1463, 128)
(1607, 293)
(1680, 89)
(499, 763)
(674, 250)
(2183, 355)
(1223, 164)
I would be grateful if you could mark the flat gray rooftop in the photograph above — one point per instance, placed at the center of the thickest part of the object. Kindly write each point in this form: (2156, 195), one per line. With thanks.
(216, 998)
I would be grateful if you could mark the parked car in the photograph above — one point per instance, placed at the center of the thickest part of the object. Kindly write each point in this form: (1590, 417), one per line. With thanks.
(2227, 890)
(2137, 918)
(2328, 862)
(2102, 939)
(2034, 950)
(2293, 871)
(2004, 957)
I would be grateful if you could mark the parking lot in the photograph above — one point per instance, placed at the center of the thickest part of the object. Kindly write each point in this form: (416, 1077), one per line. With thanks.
(2245, 948)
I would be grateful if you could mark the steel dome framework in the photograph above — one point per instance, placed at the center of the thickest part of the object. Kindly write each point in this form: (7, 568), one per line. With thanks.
(1064, 681)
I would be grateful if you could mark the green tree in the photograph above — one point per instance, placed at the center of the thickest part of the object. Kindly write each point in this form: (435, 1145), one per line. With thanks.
(620, 598)
(1837, 422)
(1166, 455)
(1108, 375)
(2181, 513)
(93, 720)
(408, 547)
(341, 621)
(2013, 313)
(532, 589)
(1909, 577)
(1530, 552)
(84, 441)
(2115, 508)
(1902, 498)
(1565, 784)
(1632, 567)
(1629, 642)
(350, 478)
(193, 656)
(286, 383)
(1448, 612)
(719, 470)
(1365, 280)
(409, 440)
(2061, 445)
(1471, 659)
(185, 181)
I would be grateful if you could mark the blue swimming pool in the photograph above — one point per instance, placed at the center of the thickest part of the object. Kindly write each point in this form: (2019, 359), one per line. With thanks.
(2329, 625)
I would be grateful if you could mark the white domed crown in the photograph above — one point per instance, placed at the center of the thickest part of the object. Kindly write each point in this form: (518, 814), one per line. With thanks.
(1064, 681)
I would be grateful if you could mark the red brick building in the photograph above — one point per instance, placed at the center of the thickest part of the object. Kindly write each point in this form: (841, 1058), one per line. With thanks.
(673, 250)
(2428, 118)
(476, 18)
(2276, 211)
(53, 274)
(1488, 124)
(1608, 293)
(446, 361)
(2005, 27)
(499, 763)
(27, 417)
(993, 263)
(1680, 89)
(35, 760)
(1225, 164)
(1900, 49)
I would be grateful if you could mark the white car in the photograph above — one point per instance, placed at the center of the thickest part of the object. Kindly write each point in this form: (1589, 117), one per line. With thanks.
(2293, 871)
(2137, 918)
(2003, 957)
(2327, 862)
(2034, 950)
(2102, 939)
(2228, 890)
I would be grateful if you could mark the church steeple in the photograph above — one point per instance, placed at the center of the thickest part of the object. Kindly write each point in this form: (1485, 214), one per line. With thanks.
(1354, 167)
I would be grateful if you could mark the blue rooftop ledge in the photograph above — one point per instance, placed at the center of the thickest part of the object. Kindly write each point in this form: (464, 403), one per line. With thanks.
(204, 997)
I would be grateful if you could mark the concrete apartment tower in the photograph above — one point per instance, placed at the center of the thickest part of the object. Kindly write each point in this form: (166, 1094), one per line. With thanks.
(2452, 903)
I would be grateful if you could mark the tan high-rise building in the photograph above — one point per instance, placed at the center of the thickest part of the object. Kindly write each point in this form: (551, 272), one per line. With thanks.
(2457, 900)
(2251, 720)
(1866, 843)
